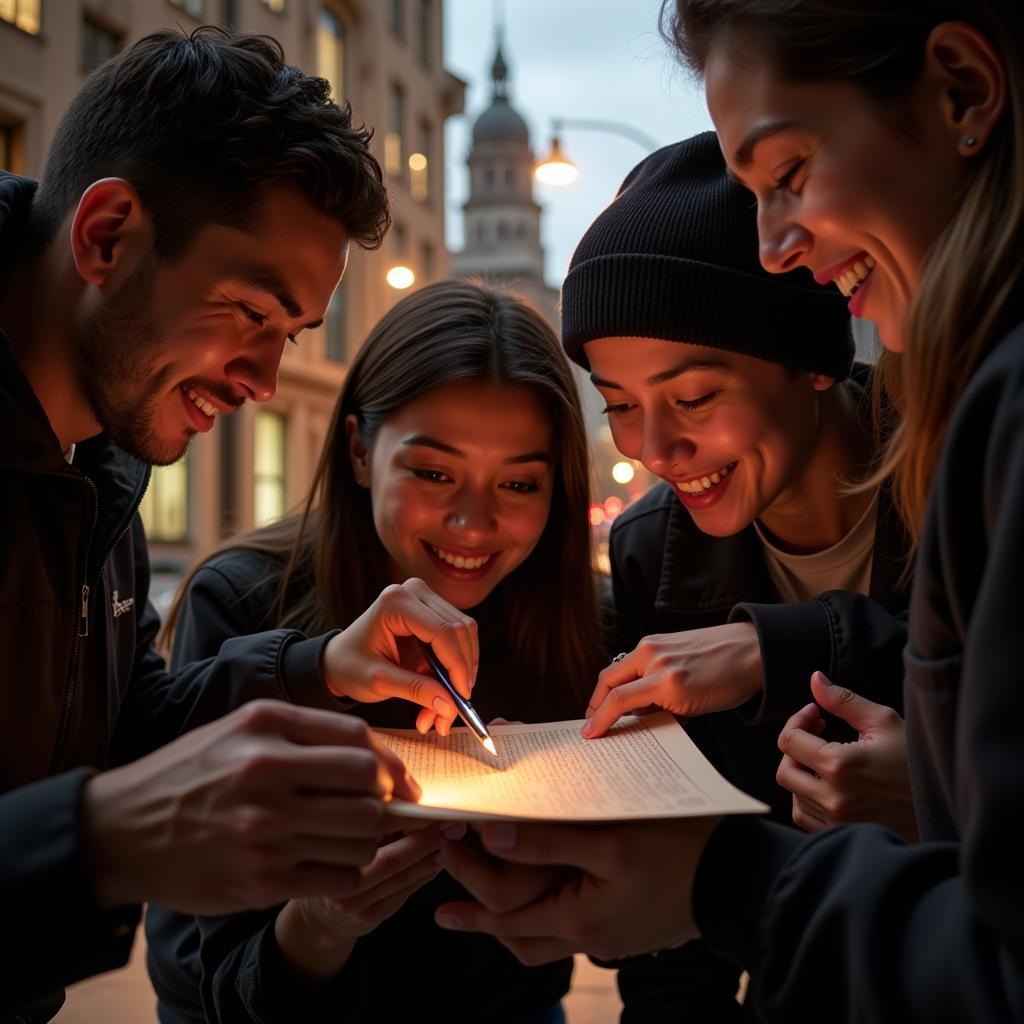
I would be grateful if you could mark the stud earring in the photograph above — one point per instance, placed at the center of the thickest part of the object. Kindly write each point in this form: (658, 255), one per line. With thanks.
(969, 141)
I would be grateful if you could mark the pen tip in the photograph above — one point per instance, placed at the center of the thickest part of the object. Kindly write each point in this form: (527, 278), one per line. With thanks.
(489, 744)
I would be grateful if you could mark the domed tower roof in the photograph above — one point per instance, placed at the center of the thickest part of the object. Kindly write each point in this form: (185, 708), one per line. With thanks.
(500, 122)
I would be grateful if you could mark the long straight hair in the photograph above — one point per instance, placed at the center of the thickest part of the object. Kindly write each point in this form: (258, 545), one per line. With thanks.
(449, 331)
(970, 288)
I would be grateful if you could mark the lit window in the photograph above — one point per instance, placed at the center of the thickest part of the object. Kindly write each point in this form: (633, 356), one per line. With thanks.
(23, 14)
(10, 149)
(330, 53)
(393, 137)
(268, 467)
(98, 44)
(277, 6)
(419, 165)
(164, 509)
(426, 261)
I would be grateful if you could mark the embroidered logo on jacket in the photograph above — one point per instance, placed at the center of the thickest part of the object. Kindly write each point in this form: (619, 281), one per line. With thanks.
(120, 607)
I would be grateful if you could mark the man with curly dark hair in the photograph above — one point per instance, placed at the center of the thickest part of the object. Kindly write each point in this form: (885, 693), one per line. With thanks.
(194, 215)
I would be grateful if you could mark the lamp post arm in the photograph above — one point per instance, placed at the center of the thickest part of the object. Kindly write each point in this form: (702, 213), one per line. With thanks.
(627, 131)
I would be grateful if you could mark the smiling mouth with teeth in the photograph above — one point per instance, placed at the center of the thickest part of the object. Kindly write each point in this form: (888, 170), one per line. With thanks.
(460, 561)
(853, 277)
(201, 403)
(702, 484)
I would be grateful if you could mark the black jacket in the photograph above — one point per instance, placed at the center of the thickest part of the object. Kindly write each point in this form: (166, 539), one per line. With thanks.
(668, 577)
(228, 970)
(852, 924)
(83, 687)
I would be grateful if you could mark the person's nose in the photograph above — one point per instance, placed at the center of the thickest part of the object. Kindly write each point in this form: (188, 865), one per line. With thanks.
(471, 517)
(784, 241)
(255, 368)
(665, 443)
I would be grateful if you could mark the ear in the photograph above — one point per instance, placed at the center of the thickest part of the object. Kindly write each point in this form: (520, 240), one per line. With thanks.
(358, 454)
(974, 83)
(110, 232)
(821, 381)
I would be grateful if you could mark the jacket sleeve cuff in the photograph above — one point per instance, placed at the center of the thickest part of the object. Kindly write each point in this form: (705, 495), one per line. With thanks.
(796, 640)
(301, 670)
(63, 936)
(268, 985)
(730, 886)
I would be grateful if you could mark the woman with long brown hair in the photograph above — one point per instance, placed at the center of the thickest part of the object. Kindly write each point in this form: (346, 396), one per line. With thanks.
(884, 144)
(455, 465)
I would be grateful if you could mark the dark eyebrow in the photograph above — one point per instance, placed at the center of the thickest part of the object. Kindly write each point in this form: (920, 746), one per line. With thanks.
(686, 366)
(745, 152)
(271, 283)
(432, 442)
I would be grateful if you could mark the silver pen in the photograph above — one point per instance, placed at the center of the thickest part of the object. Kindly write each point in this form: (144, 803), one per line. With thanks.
(466, 710)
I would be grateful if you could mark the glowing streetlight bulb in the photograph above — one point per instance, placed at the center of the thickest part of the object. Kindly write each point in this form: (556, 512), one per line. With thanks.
(556, 168)
(400, 277)
(623, 472)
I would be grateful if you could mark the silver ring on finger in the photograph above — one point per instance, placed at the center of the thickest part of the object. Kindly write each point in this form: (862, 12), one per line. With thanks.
(618, 657)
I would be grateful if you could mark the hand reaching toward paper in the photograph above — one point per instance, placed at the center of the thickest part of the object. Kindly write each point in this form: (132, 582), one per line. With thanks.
(866, 780)
(690, 673)
(609, 891)
(317, 935)
(371, 660)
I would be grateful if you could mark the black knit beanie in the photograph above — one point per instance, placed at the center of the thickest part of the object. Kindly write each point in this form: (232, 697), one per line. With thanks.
(675, 257)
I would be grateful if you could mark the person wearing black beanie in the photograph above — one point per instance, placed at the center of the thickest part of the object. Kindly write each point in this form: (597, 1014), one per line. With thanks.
(753, 564)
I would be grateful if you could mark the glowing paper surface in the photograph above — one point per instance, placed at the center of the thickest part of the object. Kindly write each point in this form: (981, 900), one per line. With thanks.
(644, 768)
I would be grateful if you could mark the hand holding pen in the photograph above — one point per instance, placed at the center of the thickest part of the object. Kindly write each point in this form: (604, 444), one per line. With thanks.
(364, 663)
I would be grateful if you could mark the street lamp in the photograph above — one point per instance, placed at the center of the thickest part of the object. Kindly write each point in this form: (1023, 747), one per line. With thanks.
(557, 169)
(400, 277)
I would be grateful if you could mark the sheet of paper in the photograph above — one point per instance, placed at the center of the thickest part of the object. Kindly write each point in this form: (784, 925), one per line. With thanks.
(644, 768)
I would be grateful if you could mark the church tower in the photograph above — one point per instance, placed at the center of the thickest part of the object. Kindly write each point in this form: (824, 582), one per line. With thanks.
(501, 219)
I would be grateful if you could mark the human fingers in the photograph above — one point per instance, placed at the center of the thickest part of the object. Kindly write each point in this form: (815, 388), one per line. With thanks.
(592, 848)
(531, 950)
(499, 887)
(800, 740)
(625, 668)
(297, 724)
(801, 781)
(403, 785)
(858, 712)
(390, 680)
(451, 634)
(425, 720)
(809, 816)
(618, 701)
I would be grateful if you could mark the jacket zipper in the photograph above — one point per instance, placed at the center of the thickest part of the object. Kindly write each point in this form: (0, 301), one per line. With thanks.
(83, 615)
(76, 645)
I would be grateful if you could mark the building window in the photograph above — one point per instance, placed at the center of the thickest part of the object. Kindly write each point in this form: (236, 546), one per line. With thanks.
(193, 7)
(10, 147)
(427, 261)
(393, 136)
(396, 17)
(268, 467)
(277, 6)
(99, 44)
(426, 35)
(481, 232)
(489, 177)
(510, 176)
(503, 232)
(23, 14)
(337, 337)
(521, 230)
(164, 509)
(419, 165)
(330, 53)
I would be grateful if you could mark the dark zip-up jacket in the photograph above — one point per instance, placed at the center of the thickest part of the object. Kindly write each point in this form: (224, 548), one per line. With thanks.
(82, 686)
(668, 577)
(852, 924)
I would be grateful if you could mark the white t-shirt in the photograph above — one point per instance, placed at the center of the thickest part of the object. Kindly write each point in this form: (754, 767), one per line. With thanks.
(844, 566)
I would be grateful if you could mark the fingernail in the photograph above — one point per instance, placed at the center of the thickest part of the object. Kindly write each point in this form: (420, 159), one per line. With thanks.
(442, 707)
(449, 921)
(588, 728)
(502, 837)
(453, 830)
(824, 679)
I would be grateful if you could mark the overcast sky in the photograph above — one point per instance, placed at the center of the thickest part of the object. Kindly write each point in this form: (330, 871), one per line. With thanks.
(569, 58)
